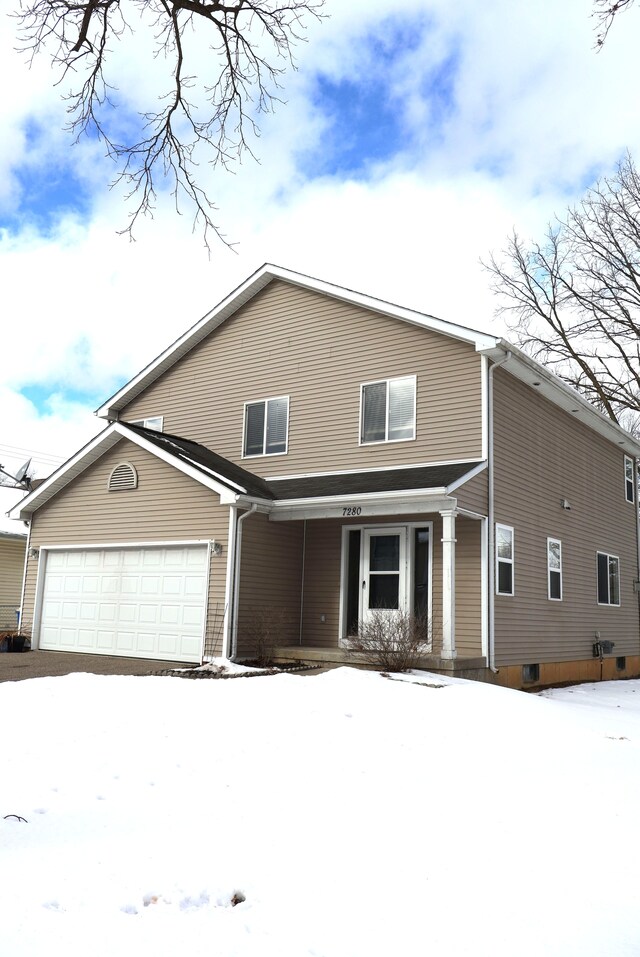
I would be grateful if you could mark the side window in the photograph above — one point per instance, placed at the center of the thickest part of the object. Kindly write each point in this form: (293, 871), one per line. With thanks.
(629, 479)
(266, 426)
(504, 560)
(554, 569)
(388, 410)
(154, 422)
(608, 579)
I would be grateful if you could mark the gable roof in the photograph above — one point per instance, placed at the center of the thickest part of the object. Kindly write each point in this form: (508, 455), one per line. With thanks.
(250, 288)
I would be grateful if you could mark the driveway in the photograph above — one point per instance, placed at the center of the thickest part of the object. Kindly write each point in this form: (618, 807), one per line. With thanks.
(46, 664)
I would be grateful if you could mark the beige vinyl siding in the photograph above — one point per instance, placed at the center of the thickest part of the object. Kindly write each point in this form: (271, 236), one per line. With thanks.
(543, 455)
(270, 580)
(474, 494)
(167, 506)
(11, 571)
(318, 351)
(468, 588)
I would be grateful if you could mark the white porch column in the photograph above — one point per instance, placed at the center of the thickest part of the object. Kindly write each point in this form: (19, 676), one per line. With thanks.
(448, 583)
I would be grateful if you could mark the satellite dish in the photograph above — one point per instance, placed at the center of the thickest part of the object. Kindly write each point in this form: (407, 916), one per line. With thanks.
(22, 471)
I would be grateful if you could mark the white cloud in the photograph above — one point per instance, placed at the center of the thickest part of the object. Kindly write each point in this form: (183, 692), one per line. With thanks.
(533, 112)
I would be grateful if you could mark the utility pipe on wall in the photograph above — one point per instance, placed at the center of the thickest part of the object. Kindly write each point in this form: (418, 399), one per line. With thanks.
(492, 544)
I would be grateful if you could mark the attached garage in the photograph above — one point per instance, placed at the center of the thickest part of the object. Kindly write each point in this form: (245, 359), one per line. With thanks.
(140, 602)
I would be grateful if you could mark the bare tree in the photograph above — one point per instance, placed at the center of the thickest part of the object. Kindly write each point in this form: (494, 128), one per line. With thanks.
(605, 12)
(574, 299)
(210, 115)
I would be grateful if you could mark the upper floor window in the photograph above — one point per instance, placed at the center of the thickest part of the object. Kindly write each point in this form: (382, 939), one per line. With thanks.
(554, 569)
(154, 422)
(504, 560)
(608, 579)
(266, 425)
(388, 410)
(628, 479)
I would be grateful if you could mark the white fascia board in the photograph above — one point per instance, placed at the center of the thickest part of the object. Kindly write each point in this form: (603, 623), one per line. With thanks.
(382, 503)
(92, 452)
(13, 536)
(85, 457)
(251, 287)
(466, 477)
(527, 370)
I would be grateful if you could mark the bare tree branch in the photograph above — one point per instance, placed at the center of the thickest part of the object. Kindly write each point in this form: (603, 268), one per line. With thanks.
(605, 12)
(209, 116)
(574, 301)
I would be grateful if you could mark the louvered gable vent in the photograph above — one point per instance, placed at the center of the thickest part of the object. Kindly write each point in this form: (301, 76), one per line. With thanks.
(123, 477)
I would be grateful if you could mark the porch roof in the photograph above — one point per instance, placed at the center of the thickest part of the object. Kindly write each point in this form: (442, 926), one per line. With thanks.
(366, 481)
(370, 481)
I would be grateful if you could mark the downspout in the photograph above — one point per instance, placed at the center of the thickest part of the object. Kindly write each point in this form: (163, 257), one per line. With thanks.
(635, 483)
(491, 556)
(236, 579)
(24, 577)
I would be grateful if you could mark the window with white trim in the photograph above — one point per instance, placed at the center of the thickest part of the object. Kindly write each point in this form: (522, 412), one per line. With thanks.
(388, 410)
(504, 560)
(608, 567)
(554, 569)
(154, 422)
(266, 426)
(629, 481)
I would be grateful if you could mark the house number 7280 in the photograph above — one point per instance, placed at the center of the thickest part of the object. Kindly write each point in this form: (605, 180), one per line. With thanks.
(351, 510)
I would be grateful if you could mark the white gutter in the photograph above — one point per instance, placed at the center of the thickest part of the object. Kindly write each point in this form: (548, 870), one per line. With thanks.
(491, 550)
(236, 579)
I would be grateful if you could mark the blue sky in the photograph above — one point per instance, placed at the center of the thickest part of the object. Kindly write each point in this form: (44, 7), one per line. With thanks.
(407, 149)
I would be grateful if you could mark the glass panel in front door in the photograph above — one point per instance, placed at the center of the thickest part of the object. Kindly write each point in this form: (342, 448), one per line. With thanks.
(383, 570)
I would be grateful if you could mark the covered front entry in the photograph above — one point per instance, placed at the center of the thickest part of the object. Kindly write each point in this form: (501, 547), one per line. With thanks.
(388, 569)
(141, 602)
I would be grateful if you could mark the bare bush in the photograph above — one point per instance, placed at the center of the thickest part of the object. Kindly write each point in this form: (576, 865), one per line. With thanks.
(262, 632)
(393, 641)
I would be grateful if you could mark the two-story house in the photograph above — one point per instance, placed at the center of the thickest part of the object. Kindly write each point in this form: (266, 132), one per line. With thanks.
(314, 454)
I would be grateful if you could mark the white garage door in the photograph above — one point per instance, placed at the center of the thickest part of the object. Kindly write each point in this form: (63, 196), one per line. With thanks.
(137, 602)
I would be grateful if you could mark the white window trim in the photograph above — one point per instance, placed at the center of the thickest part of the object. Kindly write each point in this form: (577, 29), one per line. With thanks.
(144, 423)
(343, 640)
(608, 604)
(511, 561)
(386, 441)
(628, 461)
(555, 541)
(264, 454)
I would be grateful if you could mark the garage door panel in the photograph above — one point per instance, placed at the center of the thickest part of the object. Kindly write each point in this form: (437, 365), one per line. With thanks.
(138, 610)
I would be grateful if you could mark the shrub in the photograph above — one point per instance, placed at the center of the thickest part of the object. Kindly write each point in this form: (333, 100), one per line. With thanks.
(393, 641)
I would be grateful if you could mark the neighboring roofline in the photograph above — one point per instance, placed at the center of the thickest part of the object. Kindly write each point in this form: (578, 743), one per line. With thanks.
(250, 288)
(95, 449)
(527, 370)
(13, 536)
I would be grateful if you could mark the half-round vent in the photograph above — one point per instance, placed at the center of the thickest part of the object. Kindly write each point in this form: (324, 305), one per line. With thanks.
(123, 477)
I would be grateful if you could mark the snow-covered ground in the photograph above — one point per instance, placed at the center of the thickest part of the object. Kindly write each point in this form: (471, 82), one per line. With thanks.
(356, 815)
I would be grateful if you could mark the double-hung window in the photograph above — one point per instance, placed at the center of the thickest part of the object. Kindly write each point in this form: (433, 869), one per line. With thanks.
(554, 569)
(504, 560)
(608, 579)
(266, 425)
(629, 479)
(388, 410)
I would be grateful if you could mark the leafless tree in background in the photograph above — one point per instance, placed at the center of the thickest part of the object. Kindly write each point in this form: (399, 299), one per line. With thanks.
(200, 114)
(605, 13)
(574, 299)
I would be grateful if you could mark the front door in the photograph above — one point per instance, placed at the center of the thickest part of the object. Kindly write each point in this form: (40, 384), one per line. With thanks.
(383, 570)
